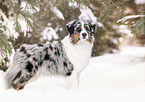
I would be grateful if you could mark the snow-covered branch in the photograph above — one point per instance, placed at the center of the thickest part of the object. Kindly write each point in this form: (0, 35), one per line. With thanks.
(129, 17)
(9, 25)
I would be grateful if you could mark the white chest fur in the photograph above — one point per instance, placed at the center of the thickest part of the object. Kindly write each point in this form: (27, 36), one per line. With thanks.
(79, 54)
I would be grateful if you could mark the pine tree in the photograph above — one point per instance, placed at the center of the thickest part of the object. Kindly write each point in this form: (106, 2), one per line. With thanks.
(11, 14)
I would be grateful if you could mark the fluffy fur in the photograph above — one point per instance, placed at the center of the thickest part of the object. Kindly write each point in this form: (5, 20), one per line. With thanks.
(67, 57)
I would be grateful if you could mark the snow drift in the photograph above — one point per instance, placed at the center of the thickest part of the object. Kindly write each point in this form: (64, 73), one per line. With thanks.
(118, 77)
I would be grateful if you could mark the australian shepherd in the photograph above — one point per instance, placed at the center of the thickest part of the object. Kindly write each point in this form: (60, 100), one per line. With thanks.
(67, 57)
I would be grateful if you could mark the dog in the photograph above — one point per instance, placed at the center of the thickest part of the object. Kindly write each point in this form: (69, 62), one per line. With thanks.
(67, 57)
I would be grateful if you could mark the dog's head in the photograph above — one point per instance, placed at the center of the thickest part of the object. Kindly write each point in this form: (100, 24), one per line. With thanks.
(81, 31)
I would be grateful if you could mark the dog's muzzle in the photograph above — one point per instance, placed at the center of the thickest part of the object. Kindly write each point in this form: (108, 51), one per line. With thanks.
(84, 36)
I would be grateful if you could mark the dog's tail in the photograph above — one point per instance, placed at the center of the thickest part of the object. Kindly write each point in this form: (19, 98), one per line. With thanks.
(8, 77)
(7, 82)
(10, 74)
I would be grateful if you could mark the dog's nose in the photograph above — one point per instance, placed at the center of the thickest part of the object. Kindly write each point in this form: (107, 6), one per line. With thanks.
(84, 35)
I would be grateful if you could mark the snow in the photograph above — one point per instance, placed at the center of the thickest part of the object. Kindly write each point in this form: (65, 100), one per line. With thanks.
(8, 23)
(87, 14)
(49, 33)
(140, 1)
(24, 25)
(124, 29)
(73, 4)
(25, 6)
(57, 12)
(118, 77)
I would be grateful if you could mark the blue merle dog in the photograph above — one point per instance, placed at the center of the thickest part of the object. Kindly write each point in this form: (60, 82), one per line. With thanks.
(67, 57)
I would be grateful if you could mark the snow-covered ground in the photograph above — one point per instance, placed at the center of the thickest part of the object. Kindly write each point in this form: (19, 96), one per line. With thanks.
(118, 77)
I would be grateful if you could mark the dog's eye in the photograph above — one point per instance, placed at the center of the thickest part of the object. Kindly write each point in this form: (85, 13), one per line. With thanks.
(79, 29)
(86, 27)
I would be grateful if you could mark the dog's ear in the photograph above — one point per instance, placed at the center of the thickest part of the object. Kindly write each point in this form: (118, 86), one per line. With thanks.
(70, 26)
(93, 28)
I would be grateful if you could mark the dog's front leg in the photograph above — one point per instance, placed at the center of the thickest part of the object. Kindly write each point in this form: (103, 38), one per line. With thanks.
(73, 80)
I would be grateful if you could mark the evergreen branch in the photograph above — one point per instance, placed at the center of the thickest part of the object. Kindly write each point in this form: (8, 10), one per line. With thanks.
(139, 28)
(33, 4)
(26, 15)
(106, 13)
(109, 8)
(5, 47)
(57, 3)
(7, 23)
